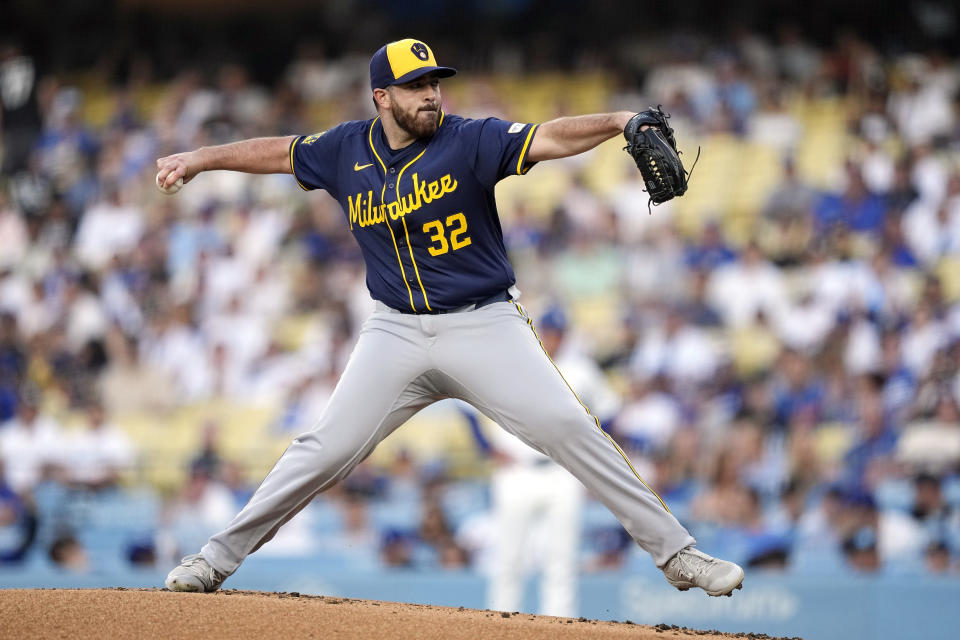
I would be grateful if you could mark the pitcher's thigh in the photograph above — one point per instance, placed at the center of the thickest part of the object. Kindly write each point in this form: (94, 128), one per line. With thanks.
(501, 367)
(380, 377)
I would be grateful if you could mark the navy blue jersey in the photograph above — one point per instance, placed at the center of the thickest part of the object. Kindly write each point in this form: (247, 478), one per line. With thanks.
(424, 216)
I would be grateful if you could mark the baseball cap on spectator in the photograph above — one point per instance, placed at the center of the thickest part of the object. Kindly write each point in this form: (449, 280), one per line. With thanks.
(863, 539)
(769, 550)
(859, 497)
(403, 61)
(925, 477)
(553, 319)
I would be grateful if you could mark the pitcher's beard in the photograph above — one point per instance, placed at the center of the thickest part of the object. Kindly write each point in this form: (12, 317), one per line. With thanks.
(416, 125)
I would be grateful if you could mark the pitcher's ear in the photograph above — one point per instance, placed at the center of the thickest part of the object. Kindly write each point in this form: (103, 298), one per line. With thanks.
(382, 98)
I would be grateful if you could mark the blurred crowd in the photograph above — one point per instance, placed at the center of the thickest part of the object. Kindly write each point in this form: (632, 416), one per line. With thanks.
(793, 395)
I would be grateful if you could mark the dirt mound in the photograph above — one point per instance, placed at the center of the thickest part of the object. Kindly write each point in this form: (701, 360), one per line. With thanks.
(116, 614)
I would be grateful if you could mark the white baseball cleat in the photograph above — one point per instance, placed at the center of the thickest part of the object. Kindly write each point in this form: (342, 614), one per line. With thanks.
(194, 574)
(693, 568)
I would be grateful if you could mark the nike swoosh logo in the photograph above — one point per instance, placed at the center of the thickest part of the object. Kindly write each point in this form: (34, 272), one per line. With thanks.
(360, 167)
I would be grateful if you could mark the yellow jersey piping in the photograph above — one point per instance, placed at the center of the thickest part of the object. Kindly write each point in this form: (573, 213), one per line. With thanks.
(292, 170)
(383, 192)
(403, 219)
(374, 149)
(595, 419)
(523, 152)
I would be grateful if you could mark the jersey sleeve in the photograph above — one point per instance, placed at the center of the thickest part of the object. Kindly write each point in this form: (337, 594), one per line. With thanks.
(501, 148)
(313, 160)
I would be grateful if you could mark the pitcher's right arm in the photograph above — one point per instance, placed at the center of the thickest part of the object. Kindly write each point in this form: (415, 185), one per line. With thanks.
(257, 155)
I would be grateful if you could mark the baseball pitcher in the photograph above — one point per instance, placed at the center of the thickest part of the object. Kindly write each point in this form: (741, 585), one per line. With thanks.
(417, 189)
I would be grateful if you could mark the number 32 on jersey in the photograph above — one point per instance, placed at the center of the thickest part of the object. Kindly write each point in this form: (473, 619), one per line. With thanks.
(456, 227)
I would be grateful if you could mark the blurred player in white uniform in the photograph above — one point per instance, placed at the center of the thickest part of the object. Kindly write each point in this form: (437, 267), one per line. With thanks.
(537, 503)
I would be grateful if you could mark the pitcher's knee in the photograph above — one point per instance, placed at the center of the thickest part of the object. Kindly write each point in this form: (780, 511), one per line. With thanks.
(322, 455)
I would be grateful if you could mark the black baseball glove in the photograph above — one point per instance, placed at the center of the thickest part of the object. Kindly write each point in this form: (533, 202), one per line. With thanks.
(655, 151)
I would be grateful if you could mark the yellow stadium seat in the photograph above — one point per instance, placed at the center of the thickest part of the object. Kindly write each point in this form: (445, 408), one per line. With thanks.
(831, 442)
(948, 270)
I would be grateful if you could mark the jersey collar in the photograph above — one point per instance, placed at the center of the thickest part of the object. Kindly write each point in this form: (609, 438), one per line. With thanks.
(386, 156)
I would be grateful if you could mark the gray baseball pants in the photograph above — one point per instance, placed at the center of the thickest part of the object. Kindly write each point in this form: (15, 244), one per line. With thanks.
(489, 357)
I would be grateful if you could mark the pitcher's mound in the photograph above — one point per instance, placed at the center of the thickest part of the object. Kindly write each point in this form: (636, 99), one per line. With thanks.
(115, 614)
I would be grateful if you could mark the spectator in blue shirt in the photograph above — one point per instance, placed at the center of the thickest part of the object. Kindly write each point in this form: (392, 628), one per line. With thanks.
(876, 440)
(799, 390)
(711, 251)
(855, 208)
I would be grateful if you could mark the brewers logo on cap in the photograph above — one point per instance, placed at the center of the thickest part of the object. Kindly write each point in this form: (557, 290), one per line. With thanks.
(403, 61)
(420, 50)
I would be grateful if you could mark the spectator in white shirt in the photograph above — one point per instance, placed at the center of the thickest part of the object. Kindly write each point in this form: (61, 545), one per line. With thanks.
(260, 233)
(923, 110)
(225, 275)
(13, 234)
(97, 456)
(805, 325)
(86, 318)
(29, 445)
(244, 336)
(650, 417)
(109, 227)
(878, 168)
(931, 231)
(176, 348)
(204, 506)
(929, 175)
(837, 283)
(740, 289)
(922, 339)
(773, 125)
(677, 349)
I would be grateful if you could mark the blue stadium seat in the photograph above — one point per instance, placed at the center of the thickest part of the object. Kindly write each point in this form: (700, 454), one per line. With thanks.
(895, 494)
(325, 516)
(951, 490)
(818, 563)
(463, 499)
(596, 516)
(404, 516)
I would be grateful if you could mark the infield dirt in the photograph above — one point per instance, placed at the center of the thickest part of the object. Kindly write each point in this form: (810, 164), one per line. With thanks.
(117, 614)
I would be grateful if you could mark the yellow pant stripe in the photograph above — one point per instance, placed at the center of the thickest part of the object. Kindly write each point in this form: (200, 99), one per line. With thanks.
(595, 419)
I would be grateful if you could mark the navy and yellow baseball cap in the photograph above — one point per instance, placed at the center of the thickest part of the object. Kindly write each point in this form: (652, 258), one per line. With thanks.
(403, 61)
